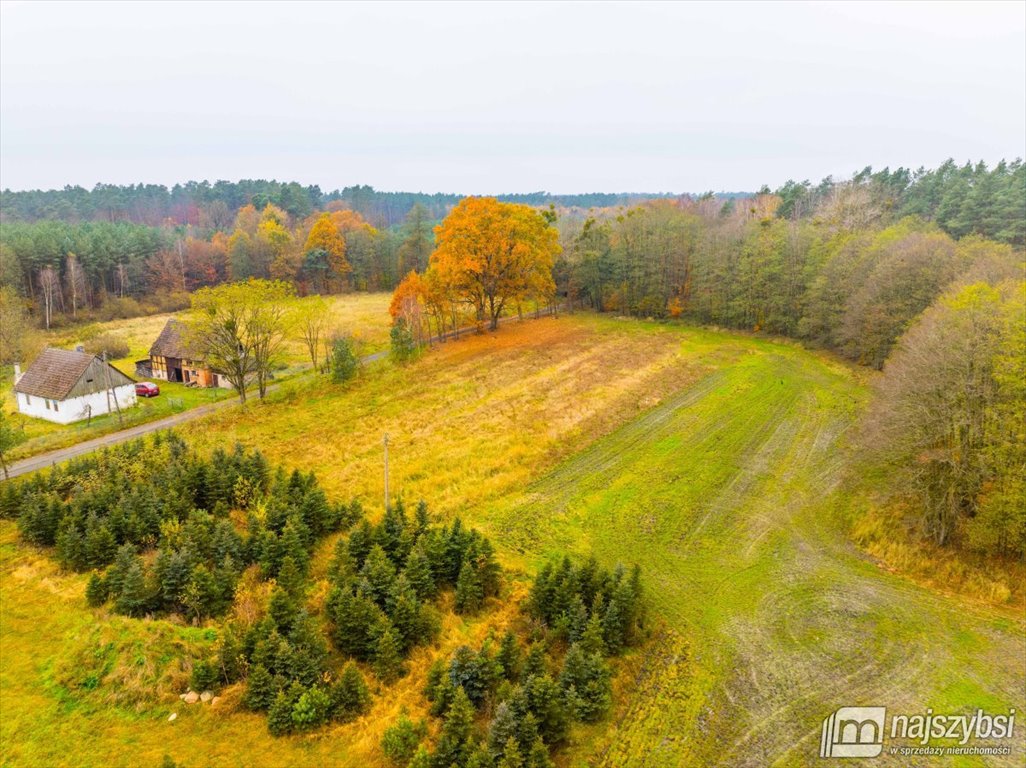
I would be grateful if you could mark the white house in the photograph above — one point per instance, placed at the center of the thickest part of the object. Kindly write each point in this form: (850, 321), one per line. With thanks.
(65, 386)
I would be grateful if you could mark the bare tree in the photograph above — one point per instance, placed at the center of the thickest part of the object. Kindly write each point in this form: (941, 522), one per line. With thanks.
(50, 292)
(74, 277)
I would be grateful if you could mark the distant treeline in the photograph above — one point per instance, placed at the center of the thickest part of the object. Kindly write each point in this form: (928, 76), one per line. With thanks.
(212, 207)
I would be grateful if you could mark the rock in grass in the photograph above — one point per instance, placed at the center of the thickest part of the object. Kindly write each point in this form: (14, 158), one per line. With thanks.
(172, 717)
(206, 696)
(191, 697)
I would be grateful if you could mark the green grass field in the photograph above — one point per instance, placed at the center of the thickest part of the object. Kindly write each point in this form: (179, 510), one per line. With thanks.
(714, 460)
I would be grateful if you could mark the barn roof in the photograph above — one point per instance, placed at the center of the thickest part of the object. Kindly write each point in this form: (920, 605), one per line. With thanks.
(170, 342)
(56, 372)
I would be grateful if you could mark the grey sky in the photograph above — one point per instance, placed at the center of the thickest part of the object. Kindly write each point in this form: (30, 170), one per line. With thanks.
(487, 98)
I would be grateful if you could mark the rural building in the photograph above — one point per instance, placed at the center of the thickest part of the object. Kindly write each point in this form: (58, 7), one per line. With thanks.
(172, 360)
(63, 386)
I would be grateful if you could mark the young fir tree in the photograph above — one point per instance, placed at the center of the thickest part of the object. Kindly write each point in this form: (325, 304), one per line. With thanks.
(388, 660)
(96, 590)
(132, 599)
(469, 592)
(418, 572)
(261, 689)
(311, 709)
(455, 743)
(349, 695)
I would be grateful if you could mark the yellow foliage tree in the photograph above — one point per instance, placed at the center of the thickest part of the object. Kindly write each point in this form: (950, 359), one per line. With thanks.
(495, 253)
(325, 236)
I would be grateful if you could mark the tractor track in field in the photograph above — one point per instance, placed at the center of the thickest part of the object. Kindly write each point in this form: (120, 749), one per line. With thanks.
(784, 621)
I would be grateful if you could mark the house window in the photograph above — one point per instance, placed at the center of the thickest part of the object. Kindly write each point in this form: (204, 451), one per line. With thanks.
(47, 403)
(55, 406)
(28, 400)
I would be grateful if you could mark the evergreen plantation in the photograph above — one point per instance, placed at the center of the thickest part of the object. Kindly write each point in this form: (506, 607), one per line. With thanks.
(166, 532)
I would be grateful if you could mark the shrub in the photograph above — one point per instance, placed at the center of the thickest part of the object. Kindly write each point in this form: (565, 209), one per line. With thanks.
(114, 346)
(311, 709)
(342, 360)
(401, 740)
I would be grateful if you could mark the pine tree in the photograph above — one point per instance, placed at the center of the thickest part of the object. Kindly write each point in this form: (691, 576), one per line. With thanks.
(401, 739)
(586, 684)
(260, 689)
(311, 709)
(538, 757)
(454, 744)
(279, 716)
(388, 662)
(469, 593)
(96, 590)
(132, 597)
(378, 574)
(511, 757)
(100, 545)
(204, 675)
(545, 700)
(349, 695)
(282, 609)
(70, 545)
(418, 572)
(510, 657)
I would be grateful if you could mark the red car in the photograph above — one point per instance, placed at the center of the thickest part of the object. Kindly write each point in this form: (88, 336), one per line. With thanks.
(146, 389)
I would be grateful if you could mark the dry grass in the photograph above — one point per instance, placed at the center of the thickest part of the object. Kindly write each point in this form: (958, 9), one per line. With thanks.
(475, 418)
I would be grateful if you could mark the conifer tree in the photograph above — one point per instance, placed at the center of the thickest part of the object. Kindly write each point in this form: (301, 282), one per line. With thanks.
(388, 662)
(469, 592)
(132, 597)
(96, 590)
(418, 572)
(454, 744)
(349, 695)
(260, 689)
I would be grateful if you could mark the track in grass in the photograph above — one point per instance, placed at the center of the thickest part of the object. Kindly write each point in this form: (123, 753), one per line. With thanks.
(727, 494)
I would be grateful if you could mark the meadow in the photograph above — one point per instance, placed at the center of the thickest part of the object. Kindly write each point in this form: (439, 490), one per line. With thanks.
(715, 460)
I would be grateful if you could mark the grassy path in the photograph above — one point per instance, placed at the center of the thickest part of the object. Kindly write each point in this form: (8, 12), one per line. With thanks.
(729, 494)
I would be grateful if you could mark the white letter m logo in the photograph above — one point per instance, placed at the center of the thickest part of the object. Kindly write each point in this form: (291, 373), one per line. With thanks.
(853, 732)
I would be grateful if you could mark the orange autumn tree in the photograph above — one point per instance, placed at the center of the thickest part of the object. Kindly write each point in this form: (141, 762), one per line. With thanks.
(408, 303)
(325, 252)
(495, 253)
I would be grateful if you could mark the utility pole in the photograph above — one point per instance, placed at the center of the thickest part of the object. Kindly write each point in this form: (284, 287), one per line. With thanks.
(111, 390)
(386, 471)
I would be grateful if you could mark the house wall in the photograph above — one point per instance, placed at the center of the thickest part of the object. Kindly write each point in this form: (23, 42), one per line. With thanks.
(74, 408)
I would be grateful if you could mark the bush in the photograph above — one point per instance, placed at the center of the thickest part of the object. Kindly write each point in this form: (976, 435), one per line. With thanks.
(311, 709)
(114, 346)
(404, 347)
(204, 675)
(342, 360)
(401, 740)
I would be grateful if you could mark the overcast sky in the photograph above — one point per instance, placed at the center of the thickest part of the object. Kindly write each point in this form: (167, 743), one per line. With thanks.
(489, 98)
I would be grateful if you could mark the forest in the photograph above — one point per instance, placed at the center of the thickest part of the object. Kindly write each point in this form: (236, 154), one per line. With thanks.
(122, 251)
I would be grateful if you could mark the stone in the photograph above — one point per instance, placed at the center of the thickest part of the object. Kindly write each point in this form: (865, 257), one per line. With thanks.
(213, 701)
(191, 697)
(206, 696)
(172, 717)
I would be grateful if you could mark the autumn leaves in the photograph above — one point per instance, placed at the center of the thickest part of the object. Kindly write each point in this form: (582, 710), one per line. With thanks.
(489, 257)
